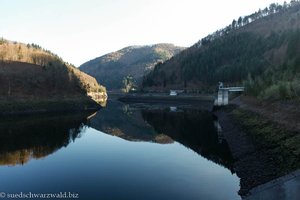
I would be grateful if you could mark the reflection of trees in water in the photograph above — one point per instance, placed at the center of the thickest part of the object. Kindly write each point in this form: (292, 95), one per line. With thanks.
(22, 139)
(194, 129)
(191, 127)
(127, 123)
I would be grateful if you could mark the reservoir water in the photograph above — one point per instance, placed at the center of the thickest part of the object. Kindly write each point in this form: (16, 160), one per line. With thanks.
(123, 151)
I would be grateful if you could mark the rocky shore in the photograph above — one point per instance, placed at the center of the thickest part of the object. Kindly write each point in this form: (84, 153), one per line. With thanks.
(262, 148)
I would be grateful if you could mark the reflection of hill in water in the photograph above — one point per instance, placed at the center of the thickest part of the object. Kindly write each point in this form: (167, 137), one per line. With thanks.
(194, 129)
(126, 122)
(34, 137)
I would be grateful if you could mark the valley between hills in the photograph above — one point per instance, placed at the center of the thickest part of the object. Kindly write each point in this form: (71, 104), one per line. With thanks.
(260, 52)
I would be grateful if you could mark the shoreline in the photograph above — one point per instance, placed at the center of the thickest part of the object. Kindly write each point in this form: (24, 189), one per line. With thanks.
(256, 162)
(203, 101)
(243, 151)
(29, 107)
(263, 149)
(249, 128)
(284, 188)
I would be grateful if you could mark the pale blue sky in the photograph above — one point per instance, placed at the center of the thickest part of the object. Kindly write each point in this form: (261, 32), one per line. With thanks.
(79, 30)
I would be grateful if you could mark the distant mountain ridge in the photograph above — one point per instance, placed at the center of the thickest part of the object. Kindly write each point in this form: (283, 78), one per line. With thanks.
(134, 61)
(260, 51)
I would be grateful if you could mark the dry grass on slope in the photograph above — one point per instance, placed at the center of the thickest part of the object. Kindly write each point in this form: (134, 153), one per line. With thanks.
(33, 79)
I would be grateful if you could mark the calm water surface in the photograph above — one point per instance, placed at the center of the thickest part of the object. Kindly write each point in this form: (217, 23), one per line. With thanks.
(122, 152)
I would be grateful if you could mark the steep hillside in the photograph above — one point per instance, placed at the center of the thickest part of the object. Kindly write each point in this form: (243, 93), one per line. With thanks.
(133, 61)
(261, 51)
(33, 79)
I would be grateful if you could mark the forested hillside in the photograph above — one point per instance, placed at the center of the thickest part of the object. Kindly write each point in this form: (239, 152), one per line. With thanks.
(32, 78)
(260, 51)
(126, 67)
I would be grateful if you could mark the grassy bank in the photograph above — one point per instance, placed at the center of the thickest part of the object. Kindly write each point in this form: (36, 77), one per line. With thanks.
(280, 144)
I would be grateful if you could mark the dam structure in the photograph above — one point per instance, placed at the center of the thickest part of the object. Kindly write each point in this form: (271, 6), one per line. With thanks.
(222, 98)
